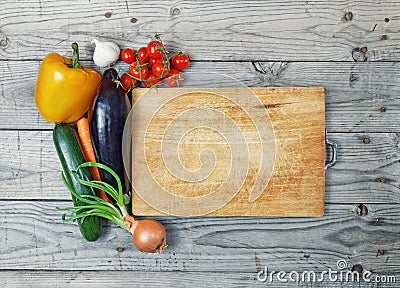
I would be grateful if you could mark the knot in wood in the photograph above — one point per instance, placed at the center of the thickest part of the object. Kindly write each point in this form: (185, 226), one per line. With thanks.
(362, 210)
(359, 54)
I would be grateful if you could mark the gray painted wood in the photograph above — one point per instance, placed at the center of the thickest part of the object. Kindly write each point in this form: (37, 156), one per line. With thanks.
(365, 173)
(73, 279)
(356, 93)
(261, 43)
(34, 237)
(226, 30)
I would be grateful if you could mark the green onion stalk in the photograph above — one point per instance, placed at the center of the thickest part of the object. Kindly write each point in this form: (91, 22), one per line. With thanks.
(148, 235)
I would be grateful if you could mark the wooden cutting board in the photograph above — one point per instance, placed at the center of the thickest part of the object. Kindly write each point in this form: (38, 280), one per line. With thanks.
(228, 151)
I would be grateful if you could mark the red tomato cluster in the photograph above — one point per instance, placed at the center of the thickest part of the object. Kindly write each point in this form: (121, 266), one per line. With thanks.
(151, 64)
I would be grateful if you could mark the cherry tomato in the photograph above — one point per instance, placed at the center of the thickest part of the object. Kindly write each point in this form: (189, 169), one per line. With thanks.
(174, 78)
(151, 80)
(127, 55)
(127, 81)
(163, 59)
(160, 69)
(155, 49)
(138, 71)
(152, 61)
(142, 55)
(180, 61)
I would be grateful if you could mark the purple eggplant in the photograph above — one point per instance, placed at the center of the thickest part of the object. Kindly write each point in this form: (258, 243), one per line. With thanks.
(107, 118)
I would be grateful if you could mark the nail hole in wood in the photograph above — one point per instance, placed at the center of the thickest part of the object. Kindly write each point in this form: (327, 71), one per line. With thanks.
(348, 16)
(380, 252)
(175, 11)
(107, 14)
(383, 109)
(120, 249)
(362, 210)
(366, 140)
(357, 268)
(384, 37)
(134, 20)
(382, 180)
(387, 20)
(4, 42)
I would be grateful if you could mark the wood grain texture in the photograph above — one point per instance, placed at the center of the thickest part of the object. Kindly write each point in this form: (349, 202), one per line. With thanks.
(355, 92)
(236, 30)
(29, 163)
(34, 237)
(268, 151)
(262, 43)
(86, 279)
(365, 173)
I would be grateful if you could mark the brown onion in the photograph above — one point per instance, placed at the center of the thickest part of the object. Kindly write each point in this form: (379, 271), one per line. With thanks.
(148, 235)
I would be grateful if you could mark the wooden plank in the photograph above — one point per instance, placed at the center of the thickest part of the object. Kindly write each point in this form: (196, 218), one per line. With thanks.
(375, 175)
(268, 151)
(360, 97)
(33, 237)
(95, 279)
(365, 172)
(29, 163)
(236, 30)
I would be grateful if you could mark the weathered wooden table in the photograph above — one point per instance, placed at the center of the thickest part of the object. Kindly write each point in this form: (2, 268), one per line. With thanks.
(349, 47)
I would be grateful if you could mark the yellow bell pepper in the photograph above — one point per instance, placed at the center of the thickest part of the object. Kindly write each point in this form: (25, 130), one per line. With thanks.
(64, 90)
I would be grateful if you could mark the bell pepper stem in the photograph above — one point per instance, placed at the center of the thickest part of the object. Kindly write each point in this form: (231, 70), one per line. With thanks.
(75, 56)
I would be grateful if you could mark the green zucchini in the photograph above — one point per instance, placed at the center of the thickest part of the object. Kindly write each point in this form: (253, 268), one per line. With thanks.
(70, 153)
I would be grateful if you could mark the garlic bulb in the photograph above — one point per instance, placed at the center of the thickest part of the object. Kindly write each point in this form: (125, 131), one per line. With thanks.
(105, 53)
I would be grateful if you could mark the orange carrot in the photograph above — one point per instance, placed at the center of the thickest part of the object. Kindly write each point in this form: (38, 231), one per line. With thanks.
(88, 153)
